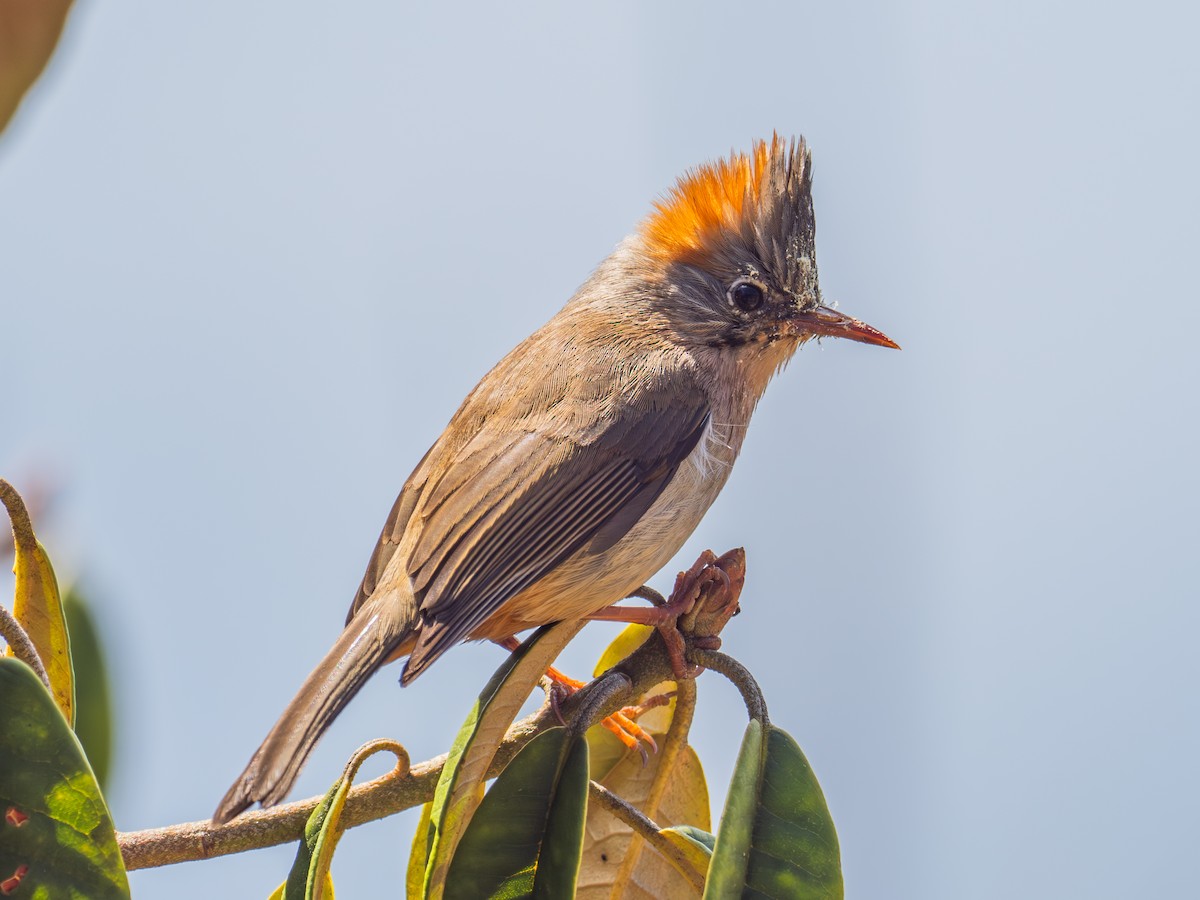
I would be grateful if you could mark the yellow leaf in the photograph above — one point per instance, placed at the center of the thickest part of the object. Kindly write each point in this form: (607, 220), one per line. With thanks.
(696, 853)
(630, 638)
(37, 605)
(607, 840)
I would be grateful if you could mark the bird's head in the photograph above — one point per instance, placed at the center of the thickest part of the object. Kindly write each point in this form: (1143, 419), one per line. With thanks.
(733, 242)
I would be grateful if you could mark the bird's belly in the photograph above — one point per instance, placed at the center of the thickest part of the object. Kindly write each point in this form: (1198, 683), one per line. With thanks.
(589, 581)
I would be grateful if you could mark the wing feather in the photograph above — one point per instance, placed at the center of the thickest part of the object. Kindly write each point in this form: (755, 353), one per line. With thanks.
(536, 466)
(555, 502)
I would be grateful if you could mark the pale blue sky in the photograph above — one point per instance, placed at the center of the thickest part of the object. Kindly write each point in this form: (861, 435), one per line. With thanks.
(252, 258)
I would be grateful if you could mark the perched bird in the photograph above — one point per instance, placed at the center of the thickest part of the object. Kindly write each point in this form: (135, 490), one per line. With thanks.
(581, 463)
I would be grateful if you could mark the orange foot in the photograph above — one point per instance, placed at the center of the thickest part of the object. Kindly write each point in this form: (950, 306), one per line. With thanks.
(622, 723)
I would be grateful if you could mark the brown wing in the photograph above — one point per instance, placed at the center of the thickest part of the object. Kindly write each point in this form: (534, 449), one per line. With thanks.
(389, 538)
(518, 502)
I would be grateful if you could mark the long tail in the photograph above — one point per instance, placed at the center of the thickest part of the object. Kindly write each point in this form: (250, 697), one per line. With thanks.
(369, 639)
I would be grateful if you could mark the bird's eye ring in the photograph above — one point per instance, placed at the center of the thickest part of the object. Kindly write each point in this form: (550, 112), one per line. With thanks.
(747, 294)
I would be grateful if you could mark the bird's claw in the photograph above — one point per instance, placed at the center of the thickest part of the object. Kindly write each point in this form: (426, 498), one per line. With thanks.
(704, 599)
(622, 723)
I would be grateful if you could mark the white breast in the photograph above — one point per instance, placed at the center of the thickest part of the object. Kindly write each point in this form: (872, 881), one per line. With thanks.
(590, 582)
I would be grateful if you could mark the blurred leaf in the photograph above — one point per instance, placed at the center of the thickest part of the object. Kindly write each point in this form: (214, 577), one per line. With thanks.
(776, 837)
(58, 837)
(525, 838)
(36, 604)
(684, 801)
(93, 699)
(474, 748)
(630, 638)
(310, 878)
(29, 30)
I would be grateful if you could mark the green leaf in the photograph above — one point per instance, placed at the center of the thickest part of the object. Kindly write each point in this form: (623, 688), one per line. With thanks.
(776, 837)
(458, 790)
(309, 878)
(56, 831)
(727, 871)
(414, 881)
(526, 837)
(562, 846)
(93, 699)
(281, 892)
(305, 881)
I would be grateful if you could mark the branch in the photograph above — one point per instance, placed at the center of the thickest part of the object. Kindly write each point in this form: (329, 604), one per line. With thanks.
(381, 797)
(646, 667)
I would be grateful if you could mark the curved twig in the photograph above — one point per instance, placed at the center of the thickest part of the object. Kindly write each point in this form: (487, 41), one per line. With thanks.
(22, 526)
(752, 695)
(608, 691)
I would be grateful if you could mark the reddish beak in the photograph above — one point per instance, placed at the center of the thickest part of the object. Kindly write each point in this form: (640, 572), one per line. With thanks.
(826, 322)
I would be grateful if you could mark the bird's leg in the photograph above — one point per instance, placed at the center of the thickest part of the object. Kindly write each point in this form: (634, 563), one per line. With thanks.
(710, 575)
(622, 723)
(704, 599)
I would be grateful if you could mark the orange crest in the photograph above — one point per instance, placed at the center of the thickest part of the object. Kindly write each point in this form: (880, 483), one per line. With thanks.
(714, 197)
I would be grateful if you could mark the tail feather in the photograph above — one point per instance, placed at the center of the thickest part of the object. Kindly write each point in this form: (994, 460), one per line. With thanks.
(363, 647)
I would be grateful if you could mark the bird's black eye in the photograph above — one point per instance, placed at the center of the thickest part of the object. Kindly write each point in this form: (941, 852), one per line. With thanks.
(747, 295)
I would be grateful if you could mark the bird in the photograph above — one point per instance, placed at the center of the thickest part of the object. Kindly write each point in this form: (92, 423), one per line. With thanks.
(582, 462)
